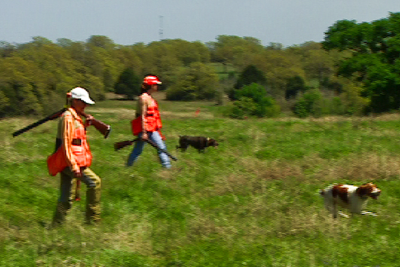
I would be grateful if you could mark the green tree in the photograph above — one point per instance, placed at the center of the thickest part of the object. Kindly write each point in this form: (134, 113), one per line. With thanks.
(4, 103)
(22, 83)
(128, 84)
(6, 49)
(197, 82)
(375, 60)
(294, 86)
(252, 100)
(251, 74)
(310, 104)
(239, 51)
(278, 66)
(189, 52)
(317, 63)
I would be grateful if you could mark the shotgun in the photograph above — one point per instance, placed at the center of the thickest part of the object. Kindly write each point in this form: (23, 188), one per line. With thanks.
(103, 128)
(100, 126)
(122, 144)
(39, 122)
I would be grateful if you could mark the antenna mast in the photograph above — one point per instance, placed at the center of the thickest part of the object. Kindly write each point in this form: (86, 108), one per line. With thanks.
(161, 32)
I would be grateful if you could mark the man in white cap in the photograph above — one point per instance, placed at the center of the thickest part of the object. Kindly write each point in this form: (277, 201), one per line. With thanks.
(72, 159)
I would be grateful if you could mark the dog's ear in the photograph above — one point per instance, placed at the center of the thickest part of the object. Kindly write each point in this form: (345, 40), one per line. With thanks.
(364, 189)
(208, 141)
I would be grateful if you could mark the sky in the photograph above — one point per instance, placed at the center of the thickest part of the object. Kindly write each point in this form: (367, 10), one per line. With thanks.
(126, 22)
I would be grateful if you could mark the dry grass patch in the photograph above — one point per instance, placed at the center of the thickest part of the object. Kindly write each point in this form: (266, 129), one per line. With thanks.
(121, 113)
(132, 234)
(329, 119)
(169, 115)
(370, 167)
(271, 170)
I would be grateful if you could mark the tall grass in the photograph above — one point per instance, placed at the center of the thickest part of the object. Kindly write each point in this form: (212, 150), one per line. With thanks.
(252, 202)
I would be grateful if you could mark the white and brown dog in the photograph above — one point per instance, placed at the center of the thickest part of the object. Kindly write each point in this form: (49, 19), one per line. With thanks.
(351, 197)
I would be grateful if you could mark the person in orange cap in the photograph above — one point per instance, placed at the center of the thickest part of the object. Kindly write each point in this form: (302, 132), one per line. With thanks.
(147, 124)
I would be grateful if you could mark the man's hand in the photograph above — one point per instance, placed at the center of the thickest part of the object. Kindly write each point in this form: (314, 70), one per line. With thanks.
(77, 173)
(145, 136)
(88, 121)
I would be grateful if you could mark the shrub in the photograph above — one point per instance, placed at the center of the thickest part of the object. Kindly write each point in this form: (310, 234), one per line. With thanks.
(251, 74)
(310, 104)
(253, 101)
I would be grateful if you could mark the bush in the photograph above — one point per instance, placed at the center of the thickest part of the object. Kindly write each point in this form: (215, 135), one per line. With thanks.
(310, 104)
(251, 74)
(253, 101)
(243, 107)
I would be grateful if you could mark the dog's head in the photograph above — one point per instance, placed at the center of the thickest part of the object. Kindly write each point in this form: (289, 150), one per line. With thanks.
(368, 190)
(212, 142)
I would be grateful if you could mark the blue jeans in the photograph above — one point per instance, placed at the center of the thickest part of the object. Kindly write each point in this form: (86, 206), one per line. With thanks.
(139, 145)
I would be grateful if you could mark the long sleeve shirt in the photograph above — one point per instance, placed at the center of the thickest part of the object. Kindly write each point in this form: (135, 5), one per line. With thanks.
(66, 127)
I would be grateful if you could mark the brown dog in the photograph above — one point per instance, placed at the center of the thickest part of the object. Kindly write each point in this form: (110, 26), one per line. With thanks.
(198, 142)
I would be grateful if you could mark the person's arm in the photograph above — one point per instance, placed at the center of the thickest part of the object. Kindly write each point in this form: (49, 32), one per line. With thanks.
(143, 108)
(67, 132)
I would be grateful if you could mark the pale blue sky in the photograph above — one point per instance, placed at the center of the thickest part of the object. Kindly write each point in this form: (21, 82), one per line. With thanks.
(126, 22)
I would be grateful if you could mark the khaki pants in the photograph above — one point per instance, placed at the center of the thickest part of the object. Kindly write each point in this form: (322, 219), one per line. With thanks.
(68, 192)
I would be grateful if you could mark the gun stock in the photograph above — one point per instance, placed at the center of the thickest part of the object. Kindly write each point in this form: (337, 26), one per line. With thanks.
(100, 126)
(39, 122)
(122, 144)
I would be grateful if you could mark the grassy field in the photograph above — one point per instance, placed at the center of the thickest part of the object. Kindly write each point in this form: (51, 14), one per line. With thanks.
(252, 202)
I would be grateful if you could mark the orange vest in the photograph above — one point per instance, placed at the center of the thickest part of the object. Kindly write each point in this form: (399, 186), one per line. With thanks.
(152, 117)
(79, 148)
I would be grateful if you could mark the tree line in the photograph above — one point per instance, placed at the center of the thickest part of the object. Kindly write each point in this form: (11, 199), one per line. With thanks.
(353, 71)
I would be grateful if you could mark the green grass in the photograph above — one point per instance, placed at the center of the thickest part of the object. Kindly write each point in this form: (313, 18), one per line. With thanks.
(251, 202)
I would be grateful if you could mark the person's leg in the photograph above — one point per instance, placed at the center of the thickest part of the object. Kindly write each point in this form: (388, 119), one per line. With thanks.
(93, 194)
(136, 151)
(67, 195)
(156, 138)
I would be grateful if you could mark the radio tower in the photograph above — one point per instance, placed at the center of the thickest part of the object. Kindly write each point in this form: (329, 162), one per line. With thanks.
(161, 28)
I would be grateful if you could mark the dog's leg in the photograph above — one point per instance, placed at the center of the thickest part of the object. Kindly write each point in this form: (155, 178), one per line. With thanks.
(334, 210)
(181, 146)
(368, 213)
(343, 215)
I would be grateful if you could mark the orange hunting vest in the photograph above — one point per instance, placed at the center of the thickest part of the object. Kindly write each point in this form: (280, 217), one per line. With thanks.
(152, 118)
(79, 148)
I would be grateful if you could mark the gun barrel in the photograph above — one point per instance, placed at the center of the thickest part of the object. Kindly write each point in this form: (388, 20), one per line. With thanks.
(39, 122)
(162, 150)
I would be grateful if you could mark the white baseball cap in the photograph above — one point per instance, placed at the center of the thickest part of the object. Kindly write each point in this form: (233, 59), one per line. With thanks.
(82, 94)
